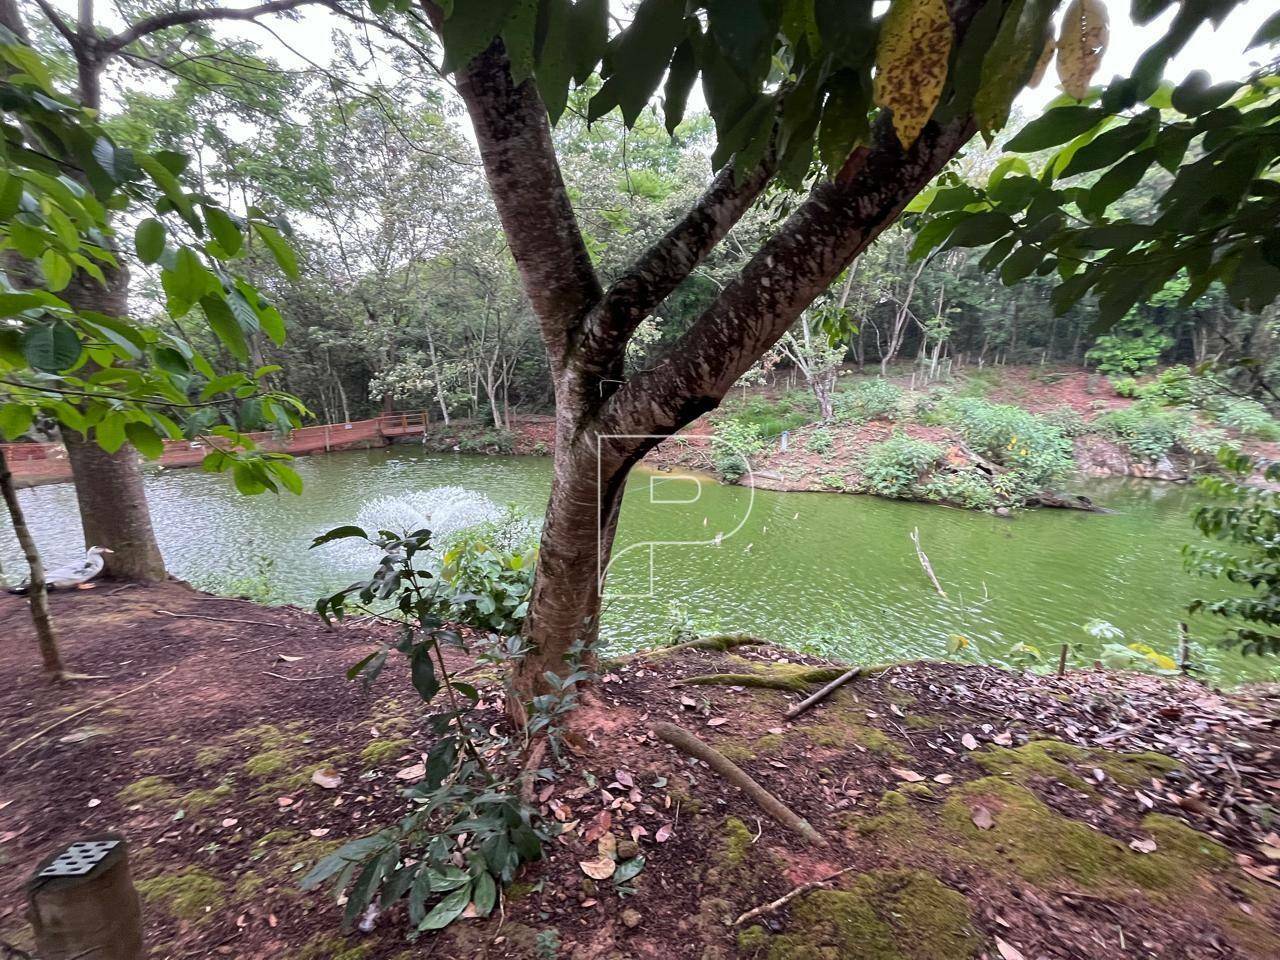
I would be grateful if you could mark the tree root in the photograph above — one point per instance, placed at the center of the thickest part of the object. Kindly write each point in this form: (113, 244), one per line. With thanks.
(720, 642)
(786, 898)
(198, 616)
(798, 681)
(810, 702)
(686, 742)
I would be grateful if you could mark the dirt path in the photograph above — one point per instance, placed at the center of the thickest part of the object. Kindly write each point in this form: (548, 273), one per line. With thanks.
(1096, 816)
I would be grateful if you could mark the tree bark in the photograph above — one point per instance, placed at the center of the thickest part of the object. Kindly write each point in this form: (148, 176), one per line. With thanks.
(37, 592)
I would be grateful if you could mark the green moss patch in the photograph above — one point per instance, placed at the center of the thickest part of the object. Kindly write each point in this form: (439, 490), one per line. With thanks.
(886, 915)
(379, 752)
(198, 801)
(190, 895)
(778, 676)
(1053, 760)
(146, 790)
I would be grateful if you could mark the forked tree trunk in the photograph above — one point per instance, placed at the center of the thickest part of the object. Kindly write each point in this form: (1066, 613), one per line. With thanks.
(37, 593)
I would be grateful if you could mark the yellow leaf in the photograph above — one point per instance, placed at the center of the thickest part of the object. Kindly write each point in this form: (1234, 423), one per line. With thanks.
(1081, 44)
(911, 63)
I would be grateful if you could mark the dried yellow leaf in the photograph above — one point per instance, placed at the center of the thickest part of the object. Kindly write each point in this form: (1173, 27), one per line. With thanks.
(1081, 44)
(911, 63)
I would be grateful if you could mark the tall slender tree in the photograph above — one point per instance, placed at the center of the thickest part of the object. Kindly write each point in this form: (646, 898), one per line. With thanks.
(109, 490)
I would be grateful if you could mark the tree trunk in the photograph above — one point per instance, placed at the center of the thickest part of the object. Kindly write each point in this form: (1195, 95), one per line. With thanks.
(113, 509)
(36, 591)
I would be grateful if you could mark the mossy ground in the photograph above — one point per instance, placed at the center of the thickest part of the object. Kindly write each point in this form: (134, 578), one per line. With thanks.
(883, 915)
(191, 895)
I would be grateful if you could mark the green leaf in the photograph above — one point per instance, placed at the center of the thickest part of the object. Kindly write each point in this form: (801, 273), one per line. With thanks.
(1009, 61)
(423, 673)
(145, 438)
(1195, 96)
(279, 248)
(15, 420)
(225, 326)
(470, 28)
(1269, 32)
(844, 119)
(56, 269)
(484, 895)
(224, 229)
(346, 532)
(109, 432)
(148, 240)
(637, 58)
(554, 56)
(979, 229)
(680, 79)
(186, 281)
(447, 910)
(51, 348)
(1055, 127)
(628, 869)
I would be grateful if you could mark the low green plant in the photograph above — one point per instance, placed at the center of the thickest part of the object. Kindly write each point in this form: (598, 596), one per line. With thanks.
(733, 445)
(257, 584)
(821, 442)
(833, 481)
(1247, 519)
(1249, 418)
(469, 829)
(1067, 420)
(896, 467)
(1149, 431)
(1035, 452)
(870, 399)
(485, 582)
(970, 489)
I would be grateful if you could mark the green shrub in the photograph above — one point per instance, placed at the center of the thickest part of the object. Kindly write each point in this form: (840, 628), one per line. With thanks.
(833, 481)
(772, 417)
(970, 489)
(1250, 418)
(1129, 352)
(873, 399)
(821, 442)
(733, 445)
(1036, 452)
(895, 467)
(1147, 430)
(1206, 441)
(1126, 387)
(1067, 420)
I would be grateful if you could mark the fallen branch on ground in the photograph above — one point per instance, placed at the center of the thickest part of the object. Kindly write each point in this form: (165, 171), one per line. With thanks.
(797, 682)
(807, 704)
(200, 616)
(80, 713)
(687, 743)
(924, 563)
(786, 898)
(281, 676)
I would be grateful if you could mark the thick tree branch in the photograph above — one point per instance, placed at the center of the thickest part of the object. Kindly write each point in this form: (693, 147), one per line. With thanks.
(830, 229)
(177, 18)
(664, 266)
(514, 136)
(59, 24)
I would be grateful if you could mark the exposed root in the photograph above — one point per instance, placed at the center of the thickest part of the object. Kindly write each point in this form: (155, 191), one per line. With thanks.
(786, 898)
(198, 616)
(798, 681)
(719, 642)
(687, 743)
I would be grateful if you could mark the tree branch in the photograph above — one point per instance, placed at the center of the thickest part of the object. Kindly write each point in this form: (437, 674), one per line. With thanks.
(837, 222)
(177, 18)
(514, 136)
(59, 24)
(665, 265)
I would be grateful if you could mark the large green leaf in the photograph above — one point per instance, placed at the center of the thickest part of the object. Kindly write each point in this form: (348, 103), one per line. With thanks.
(148, 240)
(1055, 127)
(447, 910)
(279, 247)
(52, 347)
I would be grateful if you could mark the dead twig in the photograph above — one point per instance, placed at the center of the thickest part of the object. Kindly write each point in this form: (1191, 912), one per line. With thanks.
(80, 713)
(925, 564)
(686, 742)
(786, 898)
(281, 676)
(804, 706)
(200, 616)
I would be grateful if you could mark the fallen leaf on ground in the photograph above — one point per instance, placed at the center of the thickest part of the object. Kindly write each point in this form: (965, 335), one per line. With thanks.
(284, 801)
(982, 818)
(1008, 951)
(319, 832)
(624, 778)
(1003, 739)
(663, 834)
(287, 658)
(716, 721)
(970, 743)
(608, 847)
(230, 822)
(413, 773)
(1143, 845)
(908, 775)
(943, 778)
(601, 869)
(327, 778)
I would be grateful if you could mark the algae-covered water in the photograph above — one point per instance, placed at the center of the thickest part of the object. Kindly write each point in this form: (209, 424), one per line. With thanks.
(833, 572)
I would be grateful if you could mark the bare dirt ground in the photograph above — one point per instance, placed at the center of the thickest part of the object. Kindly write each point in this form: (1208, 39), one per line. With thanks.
(979, 814)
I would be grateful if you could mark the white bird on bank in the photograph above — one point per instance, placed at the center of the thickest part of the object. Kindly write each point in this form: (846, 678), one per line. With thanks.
(71, 575)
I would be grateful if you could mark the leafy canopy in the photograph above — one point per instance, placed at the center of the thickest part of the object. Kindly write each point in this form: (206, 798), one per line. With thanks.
(806, 75)
(105, 376)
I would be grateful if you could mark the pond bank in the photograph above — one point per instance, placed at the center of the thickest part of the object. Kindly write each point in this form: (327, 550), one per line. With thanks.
(961, 826)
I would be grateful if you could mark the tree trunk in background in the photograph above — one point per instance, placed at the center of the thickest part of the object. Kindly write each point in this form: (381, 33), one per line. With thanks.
(36, 591)
(113, 502)
(113, 509)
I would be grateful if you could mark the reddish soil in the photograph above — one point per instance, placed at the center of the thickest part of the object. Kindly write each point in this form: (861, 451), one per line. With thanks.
(219, 704)
(1049, 388)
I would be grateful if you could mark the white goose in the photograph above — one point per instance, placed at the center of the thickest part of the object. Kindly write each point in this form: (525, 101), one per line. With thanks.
(71, 575)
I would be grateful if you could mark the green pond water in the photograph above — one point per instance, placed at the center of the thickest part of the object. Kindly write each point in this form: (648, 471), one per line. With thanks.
(835, 573)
